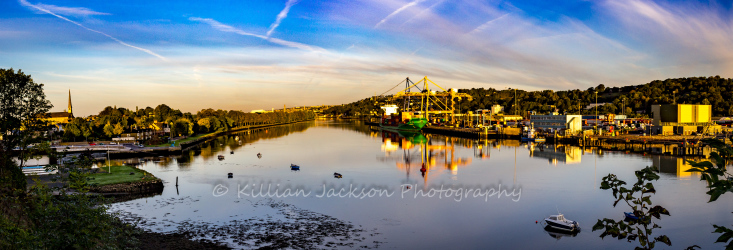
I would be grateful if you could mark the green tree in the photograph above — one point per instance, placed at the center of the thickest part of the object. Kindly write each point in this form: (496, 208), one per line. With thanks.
(182, 127)
(719, 180)
(86, 131)
(118, 129)
(641, 204)
(204, 124)
(109, 130)
(23, 106)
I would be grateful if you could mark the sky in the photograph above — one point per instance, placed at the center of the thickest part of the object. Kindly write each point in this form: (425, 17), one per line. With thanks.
(246, 55)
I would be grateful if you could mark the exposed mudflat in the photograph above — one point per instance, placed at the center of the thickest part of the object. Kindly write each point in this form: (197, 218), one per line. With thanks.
(288, 227)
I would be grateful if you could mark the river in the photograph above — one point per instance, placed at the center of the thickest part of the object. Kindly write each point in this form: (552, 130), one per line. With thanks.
(472, 195)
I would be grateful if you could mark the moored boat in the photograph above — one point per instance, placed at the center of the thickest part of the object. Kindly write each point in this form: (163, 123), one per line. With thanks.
(560, 223)
(529, 134)
(395, 122)
(294, 167)
(631, 216)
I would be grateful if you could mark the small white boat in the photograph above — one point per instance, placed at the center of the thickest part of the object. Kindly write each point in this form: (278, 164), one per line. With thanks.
(560, 223)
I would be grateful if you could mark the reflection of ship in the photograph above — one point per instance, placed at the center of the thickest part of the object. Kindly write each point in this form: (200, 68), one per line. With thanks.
(554, 153)
(557, 234)
(414, 137)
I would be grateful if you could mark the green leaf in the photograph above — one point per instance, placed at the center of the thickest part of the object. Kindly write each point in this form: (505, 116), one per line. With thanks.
(725, 237)
(664, 239)
(647, 199)
(598, 225)
(715, 194)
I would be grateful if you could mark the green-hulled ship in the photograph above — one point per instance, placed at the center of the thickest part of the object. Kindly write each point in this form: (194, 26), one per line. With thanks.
(411, 124)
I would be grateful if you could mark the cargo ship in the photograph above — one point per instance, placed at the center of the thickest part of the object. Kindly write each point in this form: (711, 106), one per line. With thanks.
(402, 121)
(396, 123)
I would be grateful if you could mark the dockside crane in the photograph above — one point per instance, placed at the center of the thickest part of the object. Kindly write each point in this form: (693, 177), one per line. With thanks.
(437, 103)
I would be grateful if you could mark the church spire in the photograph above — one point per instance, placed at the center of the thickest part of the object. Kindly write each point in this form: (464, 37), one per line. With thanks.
(70, 103)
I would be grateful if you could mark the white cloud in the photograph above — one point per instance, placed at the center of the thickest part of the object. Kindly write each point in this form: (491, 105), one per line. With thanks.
(688, 38)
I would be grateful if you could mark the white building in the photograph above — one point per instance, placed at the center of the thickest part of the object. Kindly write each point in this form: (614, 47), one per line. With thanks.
(571, 123)
(497, 109)
(389, 109)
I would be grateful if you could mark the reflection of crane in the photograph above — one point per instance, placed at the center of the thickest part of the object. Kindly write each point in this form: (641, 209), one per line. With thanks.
(432, 102)
(483, 149)
(429, 154)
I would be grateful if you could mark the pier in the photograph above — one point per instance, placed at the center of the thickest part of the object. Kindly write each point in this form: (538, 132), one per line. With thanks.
(662, 145)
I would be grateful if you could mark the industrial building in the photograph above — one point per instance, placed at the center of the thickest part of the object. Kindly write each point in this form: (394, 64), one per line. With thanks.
(570, 123)
(682, 119)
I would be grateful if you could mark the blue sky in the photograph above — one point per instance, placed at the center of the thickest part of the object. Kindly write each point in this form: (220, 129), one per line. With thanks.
(246, 55)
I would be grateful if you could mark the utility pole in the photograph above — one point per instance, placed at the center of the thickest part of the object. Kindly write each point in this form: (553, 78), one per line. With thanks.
(623, 105)
(596, 123)
(515, 101)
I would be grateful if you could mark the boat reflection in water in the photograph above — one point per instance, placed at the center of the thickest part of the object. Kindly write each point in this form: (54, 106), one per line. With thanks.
(434, 154)
(557, 234)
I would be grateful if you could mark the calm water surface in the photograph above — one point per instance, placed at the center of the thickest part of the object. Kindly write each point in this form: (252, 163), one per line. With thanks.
(504, 188)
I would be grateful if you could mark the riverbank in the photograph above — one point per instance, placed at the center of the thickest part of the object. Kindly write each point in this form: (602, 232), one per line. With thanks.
(182, 145)
(124, 180)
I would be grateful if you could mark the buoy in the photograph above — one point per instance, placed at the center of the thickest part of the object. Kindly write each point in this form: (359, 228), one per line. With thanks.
(535, 222)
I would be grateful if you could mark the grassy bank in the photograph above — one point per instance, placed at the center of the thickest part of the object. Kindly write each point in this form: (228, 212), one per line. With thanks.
(191, 138)
(179, 142)
(120, 174)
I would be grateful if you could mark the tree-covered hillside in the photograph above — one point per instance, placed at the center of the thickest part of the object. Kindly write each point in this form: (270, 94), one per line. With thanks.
(634, 100)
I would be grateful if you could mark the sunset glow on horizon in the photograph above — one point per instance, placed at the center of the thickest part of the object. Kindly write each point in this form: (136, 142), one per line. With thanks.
(246, 55)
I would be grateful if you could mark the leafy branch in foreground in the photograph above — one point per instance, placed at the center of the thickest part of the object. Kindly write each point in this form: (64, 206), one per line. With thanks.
(637, 199)
(719, 180)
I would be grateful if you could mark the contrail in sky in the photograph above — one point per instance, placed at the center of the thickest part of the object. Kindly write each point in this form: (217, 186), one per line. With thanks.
(281, 16)
(413, 3)
(226, 28)
(487, 24)
(27, 4)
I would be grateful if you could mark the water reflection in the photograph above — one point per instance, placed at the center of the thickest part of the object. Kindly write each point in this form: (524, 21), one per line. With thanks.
(372, 158)
(558, 153)
(674, 165)
(434, 154)
(558, 234)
